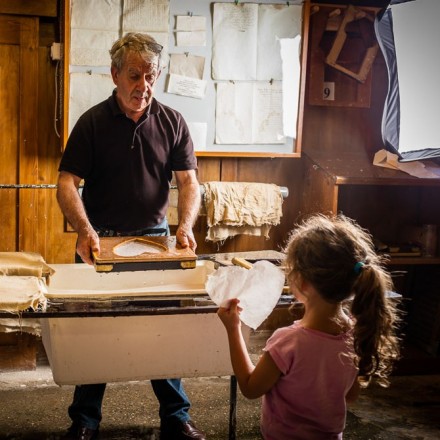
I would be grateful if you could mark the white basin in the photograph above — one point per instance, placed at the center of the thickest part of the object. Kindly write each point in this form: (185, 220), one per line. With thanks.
(84, 350)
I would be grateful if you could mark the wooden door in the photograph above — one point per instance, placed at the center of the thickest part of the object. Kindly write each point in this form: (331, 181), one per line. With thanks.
(18, 131)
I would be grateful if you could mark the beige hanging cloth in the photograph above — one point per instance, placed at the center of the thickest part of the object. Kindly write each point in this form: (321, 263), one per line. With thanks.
(24, 263)
(234, 208)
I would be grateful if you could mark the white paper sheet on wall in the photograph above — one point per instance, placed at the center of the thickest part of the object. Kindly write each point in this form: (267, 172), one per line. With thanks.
(151, 17)
(193, 38)
(87, 90)
(234, 41)
(190, 30)
(93, 29)
(186, 86)
(190, 23)
(290, 54)
(186, 73)
(246, 39)
(198, 131)
(95, 14)
(95, 26)
(249, 113)
(145, 16)
(187, 65)
(90, 47)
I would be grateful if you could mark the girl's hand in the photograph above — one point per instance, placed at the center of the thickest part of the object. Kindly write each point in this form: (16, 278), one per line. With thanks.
(230, 315)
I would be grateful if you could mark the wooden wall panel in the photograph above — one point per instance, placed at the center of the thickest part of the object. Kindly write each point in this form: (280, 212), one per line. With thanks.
(28, 142)
(17, 351)
(345, 129)
(9, 97)
(318, 193)
(8, 220)
(55, 244)
(29, 229)
(19, 95)
(30, 217)
(44, 8)
(60, 245)
(209, 169)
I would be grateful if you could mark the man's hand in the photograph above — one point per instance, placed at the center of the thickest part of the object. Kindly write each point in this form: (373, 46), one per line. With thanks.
(88, 243)
(186, 238)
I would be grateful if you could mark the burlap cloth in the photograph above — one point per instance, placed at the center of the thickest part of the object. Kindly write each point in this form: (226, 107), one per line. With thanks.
(23, 281)
(234, 208)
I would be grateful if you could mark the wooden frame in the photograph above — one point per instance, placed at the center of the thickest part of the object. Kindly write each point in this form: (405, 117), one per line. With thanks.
(352, 14)
(296, 148)
(352, 81)
(65, 18)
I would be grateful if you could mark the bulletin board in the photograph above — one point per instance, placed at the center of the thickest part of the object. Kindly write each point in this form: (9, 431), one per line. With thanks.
(195, 110)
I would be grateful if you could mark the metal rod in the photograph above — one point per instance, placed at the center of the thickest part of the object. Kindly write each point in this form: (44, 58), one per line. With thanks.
(25, 185)
(284, 191)
(232, 408)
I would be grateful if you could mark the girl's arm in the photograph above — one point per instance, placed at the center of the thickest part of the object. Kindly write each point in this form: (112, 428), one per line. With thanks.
(253, 381)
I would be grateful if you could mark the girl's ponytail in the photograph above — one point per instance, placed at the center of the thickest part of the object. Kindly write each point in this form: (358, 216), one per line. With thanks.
(376, 317)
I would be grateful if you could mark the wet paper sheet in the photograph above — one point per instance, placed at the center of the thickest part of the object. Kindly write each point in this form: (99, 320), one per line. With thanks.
(258, 289)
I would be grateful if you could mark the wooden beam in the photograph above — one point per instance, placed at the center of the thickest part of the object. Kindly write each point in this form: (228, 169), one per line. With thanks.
(36, 8)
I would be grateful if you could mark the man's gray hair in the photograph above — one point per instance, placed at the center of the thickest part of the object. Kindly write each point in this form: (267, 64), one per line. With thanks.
(144, 44)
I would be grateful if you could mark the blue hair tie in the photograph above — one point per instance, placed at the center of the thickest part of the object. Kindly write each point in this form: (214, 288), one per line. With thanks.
(358, 267)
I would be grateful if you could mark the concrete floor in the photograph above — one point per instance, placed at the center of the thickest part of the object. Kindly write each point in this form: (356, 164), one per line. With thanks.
(33, 407)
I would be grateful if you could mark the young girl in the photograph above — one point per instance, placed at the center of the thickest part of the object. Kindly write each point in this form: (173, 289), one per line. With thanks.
(309, 370)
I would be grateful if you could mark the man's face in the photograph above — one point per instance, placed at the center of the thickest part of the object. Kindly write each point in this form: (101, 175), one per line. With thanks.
(135, 83)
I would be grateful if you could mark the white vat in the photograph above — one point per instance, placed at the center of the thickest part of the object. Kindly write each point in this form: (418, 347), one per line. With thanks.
(83, 350)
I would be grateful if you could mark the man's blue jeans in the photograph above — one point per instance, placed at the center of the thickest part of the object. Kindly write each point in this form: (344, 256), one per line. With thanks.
(85, 409)
(174, 405)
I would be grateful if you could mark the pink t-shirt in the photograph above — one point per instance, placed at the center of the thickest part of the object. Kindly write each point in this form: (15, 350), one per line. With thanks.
(308, 401)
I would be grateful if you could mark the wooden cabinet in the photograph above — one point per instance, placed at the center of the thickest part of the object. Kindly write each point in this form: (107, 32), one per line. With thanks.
(392, 205)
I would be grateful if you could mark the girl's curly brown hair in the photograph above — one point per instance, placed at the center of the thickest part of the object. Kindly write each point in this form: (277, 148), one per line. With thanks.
(338, 258)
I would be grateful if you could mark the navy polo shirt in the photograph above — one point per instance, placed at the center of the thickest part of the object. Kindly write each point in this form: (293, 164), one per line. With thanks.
(127, 166)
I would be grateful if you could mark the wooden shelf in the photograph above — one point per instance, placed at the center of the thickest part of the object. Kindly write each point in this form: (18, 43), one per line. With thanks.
(410, 261)
(392, 206)
(357, 169)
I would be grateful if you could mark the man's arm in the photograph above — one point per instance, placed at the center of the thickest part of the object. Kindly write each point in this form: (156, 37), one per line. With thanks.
(188, 206)
(73, 209)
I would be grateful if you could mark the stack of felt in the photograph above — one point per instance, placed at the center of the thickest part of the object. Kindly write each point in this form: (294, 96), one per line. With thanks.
(23, 280)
